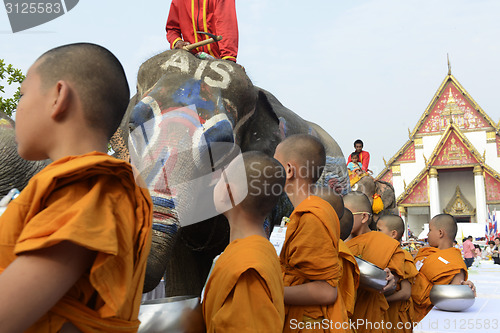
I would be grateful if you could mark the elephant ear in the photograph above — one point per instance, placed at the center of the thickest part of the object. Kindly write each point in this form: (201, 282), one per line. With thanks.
(386, 192)
(262, 132)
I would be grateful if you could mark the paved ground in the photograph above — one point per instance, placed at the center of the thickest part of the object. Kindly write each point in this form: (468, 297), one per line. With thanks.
(483, 316)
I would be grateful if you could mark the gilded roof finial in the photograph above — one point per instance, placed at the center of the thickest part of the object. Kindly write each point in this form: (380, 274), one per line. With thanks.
(449, 66)
(385, 162)
(409, 133)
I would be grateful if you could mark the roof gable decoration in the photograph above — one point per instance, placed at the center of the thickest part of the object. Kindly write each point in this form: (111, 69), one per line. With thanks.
(459, 205)
(492, 185)
(452, 103)
(454, 150)
(417, 193)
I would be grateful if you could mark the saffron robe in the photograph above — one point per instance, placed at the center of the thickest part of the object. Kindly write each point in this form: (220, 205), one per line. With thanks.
(244, 292)
(438, 267)
(217, 17)
(383, 251)
(93, 201)
(311, 253)
(349, 282)
(402, 311)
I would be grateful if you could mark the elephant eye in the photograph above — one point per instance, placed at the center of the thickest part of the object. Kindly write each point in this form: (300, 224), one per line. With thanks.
(354, 187)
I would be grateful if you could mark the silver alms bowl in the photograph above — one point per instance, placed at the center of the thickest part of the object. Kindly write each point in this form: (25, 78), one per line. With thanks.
(163, 314)
(371, 276)
(452, 297)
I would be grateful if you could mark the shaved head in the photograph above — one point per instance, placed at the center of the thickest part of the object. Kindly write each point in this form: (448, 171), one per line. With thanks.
(346, 223)
(330, 196)
(357, 202)
(307, 152)
(265, 182)
(394, 222)
(447, 223)
(96, 76)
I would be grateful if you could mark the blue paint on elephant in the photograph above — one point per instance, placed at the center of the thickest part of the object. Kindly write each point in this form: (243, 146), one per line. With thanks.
(142, 113)
(165, 228)
(167, 203)
(189, 93)
(221, 131)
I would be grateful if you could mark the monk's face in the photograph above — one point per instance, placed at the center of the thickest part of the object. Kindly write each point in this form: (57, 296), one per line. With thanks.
(433, 235)
(383, 228)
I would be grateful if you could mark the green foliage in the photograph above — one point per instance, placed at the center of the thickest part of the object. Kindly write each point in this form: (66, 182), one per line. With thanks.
(13, 76)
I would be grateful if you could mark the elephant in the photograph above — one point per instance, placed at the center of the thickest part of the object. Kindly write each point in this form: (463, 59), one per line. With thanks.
(370, 186)
(15, 172)
(189, 117)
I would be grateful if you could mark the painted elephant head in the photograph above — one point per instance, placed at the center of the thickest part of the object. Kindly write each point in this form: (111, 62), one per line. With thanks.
(15, 172)
(371, 187)
(187, 120)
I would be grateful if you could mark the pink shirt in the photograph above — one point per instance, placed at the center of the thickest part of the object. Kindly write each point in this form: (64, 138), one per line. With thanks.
(468, 249)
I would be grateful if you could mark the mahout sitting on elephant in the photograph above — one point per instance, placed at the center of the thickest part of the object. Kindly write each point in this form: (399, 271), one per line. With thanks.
(188, 118)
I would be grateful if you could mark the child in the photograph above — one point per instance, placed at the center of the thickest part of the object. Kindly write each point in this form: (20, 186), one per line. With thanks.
(371, 306)
(310, 256)
(440, 263)
(400, 303)
(355, 165)
(75, 241)
(244, 292)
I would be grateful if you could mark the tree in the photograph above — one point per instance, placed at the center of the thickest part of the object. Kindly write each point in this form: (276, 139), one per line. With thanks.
(13, 76)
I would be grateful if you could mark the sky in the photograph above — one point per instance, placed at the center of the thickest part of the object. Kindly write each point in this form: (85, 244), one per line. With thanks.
(359, 68)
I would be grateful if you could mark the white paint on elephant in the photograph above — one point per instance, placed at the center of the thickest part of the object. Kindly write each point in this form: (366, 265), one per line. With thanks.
(223, 68)
(200, 69)
(179, 60)
(242, 121)
(226, 78)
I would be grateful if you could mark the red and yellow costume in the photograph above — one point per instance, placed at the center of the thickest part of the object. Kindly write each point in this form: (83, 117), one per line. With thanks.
(93, 201)
(364, 159)
(217, 17)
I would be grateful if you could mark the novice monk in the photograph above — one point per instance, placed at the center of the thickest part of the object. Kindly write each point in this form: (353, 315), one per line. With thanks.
(441, 263)
(74, 243)
(400, 303)
(310, 256)
(371, 306)
(349, 281)
(244, 292)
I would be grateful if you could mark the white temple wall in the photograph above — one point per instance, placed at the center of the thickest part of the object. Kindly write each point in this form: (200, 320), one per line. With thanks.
(478, 140)
(417, 217)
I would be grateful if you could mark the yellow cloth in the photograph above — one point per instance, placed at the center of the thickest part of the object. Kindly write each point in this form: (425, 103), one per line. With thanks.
(311, 253)
(349, 282)
(434, 271)
(383, 251)
(245, 291)
(91, 200)
(402, 311)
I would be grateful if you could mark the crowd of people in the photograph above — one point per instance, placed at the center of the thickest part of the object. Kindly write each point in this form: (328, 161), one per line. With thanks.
(75, 241)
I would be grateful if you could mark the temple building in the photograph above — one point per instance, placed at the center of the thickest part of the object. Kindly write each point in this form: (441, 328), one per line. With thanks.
(450, 162)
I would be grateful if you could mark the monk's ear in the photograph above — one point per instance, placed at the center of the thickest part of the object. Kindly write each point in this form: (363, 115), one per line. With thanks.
(394, 233)
(365, 218)
(289, 170)
(63, 95)
(442, 233)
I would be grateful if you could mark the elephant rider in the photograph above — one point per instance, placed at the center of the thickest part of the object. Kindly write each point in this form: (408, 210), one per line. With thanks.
(364, 156)
(218, 17)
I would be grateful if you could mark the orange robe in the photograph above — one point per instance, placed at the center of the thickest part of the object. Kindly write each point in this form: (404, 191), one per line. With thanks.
(245, 291)
(91, 200)
(438, 267)
(349, 282)
(311, 253)
(402, 311)
(383, 251)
